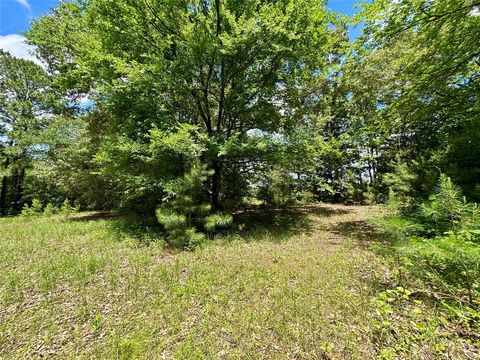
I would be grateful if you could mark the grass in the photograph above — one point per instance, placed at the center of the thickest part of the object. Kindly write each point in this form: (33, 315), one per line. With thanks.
(292, 285)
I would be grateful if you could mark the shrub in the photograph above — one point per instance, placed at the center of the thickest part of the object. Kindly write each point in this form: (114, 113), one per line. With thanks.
(170, 220)
(306, 197)
(449, 263)
(181, 233)
(49, 210)
(402, 184)
(399, 227)
(34, 210)
(216, 221)
(184, 213)
(449, 260)
(445, 207)
(67, 208)
(469, 223)
(394, 202)
(276, 189)
(447, 212)
(369, 197)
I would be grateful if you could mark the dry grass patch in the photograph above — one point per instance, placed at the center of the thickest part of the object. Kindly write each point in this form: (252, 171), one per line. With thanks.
(88, 289)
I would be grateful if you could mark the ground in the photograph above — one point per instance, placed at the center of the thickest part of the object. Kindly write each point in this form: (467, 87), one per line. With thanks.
(300, 286)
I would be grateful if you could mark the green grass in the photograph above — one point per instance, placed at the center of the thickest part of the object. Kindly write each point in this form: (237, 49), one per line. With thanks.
(294, 287)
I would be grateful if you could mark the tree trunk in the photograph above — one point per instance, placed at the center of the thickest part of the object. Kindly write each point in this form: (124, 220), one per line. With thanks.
(216, 184)
(3, 195)
(370, 172)
(17, 189)
(3, 192)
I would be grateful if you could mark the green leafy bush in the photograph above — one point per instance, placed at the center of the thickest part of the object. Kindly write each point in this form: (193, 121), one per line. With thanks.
(180, 232)
(185, 213)
(438, 250)
(445, 207)
(449, 263)
(401, 183)
(216, 221)
(183, 209)
(67, 208)
(170, 220)
(445, 213)
(34, 210)
(276, 189)
(469, 223)
(399, 227)
(50, 210)
(448, 213)
(369, 197)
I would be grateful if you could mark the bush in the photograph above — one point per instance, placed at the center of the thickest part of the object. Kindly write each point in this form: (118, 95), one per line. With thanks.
(401, 184)
(215, 221)
(184, 213)
(276, 189)
(67, 208)
(306, 197)
(394, 202)
(399, 227)
(469, 223)
(181, 233)
(34, 210)
(438, 244)
(181, 230)
(447, 212)
(449, 263)
(49, 210)
(369, 197)
(170, 220)
(445, 207)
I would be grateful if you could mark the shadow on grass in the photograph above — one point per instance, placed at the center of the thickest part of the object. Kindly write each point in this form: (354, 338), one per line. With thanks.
(321, 210)
(368, 237)
(361, 231)
(97, 215)
(278, 225)
(275, 225)
(142, 229)
(251, 224)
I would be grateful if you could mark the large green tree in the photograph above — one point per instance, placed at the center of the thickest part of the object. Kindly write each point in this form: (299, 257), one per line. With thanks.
(240, 72)
(27, 103)
(423, 60)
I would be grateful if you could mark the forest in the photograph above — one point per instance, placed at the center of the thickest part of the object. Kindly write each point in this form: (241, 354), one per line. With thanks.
(231, 171)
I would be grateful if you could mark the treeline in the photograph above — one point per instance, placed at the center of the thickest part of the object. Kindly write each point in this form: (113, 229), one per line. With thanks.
(190, 110)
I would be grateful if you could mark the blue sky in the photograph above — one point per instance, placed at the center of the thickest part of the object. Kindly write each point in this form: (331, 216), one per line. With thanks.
(15, 16)
(346, 7)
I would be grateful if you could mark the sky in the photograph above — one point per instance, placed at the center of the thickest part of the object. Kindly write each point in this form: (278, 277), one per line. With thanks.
(16, 15)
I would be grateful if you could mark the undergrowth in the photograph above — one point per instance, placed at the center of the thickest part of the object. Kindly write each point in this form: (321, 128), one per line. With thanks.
(435, 256)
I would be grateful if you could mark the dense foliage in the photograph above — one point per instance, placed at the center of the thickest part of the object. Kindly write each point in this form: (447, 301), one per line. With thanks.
(236, 72)
(427, 104)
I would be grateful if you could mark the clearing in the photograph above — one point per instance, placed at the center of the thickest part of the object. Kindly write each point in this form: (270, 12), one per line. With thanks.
(301, 286)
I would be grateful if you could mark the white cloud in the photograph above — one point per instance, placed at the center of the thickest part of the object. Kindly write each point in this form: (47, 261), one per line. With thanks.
(15, 45)
(24, 3)
(475, 11)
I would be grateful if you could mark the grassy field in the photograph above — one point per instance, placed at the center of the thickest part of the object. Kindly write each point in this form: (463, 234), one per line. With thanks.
(294, 285)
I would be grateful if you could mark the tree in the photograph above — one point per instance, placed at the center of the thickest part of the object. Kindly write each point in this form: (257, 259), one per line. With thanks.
(429, 52)
(26, 105)
(67, 168)
(238, 71)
